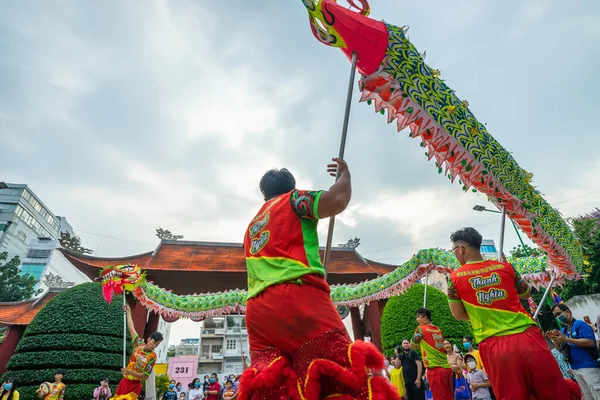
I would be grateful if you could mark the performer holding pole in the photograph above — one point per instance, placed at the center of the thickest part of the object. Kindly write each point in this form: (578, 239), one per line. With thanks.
(305, 352)
(512, 346)
(141, 362)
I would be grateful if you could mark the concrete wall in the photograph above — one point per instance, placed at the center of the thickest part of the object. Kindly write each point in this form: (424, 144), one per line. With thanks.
(587, 305)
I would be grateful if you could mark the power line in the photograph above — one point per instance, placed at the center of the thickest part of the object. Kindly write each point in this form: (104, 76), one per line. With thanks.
(115, 238)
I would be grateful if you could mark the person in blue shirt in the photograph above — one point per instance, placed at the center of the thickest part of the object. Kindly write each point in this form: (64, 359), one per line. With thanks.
(578, 345)
(170, 394)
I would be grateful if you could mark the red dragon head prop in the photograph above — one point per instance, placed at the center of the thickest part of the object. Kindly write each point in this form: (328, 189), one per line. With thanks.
(117, 278)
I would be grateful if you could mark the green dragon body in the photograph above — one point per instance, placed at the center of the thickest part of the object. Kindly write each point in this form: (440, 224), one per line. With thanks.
(171, 306)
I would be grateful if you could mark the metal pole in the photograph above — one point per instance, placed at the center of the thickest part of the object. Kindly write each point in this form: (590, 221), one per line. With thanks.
(425, 292)
(502, 226)
(548, 289)
(341, 156)
(124, 331)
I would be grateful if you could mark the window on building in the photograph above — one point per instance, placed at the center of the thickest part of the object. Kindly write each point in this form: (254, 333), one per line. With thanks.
(488, 249)
(216, 348)
(21, 236)
(231, 344)
(205, 350)
(35, 270)
(44, 253)
(7, 207)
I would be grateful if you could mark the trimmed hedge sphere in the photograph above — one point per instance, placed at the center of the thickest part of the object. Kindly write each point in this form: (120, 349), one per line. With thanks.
(76, 332)
(398, 321)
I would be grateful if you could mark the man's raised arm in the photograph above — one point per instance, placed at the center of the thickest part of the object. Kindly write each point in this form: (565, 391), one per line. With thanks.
(336, 199)
(130, 324)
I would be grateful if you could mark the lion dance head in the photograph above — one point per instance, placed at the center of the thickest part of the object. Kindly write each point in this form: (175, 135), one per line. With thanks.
(115, 279)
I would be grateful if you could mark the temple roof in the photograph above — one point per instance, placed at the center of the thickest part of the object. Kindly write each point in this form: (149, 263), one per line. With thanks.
(196, 267)
(23, 312)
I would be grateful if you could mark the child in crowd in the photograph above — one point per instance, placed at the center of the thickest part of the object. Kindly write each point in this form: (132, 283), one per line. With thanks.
(229, 393)
(396, 377)
(478, 380)
(57, 389)
(170, 394)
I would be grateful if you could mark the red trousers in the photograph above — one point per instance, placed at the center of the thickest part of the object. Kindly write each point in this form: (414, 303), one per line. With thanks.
(299, 349)
(440, 383)
(521, 366)
(127, 386)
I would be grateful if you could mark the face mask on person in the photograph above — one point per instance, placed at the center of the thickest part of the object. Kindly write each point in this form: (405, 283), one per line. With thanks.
(7, 386)
(563, 319)
(472, 364)
(179, 387)
(197, 384)
(212, 380)
(171, 386)
(467, 345)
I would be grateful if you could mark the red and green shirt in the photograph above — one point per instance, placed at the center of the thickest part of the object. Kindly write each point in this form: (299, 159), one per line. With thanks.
(490, 292)
(141, 360)
(431, 342)
(281, 243)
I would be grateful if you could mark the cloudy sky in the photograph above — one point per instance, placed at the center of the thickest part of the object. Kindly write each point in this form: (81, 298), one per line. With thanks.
(127, 116)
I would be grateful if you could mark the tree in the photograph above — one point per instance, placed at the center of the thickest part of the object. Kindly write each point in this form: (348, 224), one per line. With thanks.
(161, 385)
(167, 235)
(76, 331)
(72, 243)
(398, 321)
(13, 285)
(587, 231)
(526, 251)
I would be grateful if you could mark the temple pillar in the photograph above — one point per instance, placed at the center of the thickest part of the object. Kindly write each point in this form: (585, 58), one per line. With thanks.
(152, 324)
(8, 346)
(358, 328)
(374, 313)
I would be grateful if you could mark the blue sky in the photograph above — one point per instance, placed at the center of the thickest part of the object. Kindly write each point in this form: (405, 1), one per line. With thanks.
(126, 116)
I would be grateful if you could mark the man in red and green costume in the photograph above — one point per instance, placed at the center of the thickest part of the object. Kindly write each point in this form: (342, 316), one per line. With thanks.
(299, 347)
(430, 340)
(512, 347)
(140, 365)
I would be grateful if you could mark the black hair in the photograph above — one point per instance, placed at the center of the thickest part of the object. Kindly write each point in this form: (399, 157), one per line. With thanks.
(424, 312)
(178, 383)
(229, 381)
(469, 236)
(172, 381)
(562, 306)
(408, 340)
(157, 336)
(468, 338)
(276, 182)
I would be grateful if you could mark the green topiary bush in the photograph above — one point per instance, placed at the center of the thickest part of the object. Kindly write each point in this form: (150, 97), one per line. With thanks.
(77, 332)
(398, 321)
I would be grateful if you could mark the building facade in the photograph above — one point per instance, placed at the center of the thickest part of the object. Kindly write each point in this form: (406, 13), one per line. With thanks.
(222, 341)
(29, 229)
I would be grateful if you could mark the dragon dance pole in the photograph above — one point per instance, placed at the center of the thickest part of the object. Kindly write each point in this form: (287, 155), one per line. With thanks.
(341, 157)
(425, 291)
(548, 289)
(502, 227)
(124, 331)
